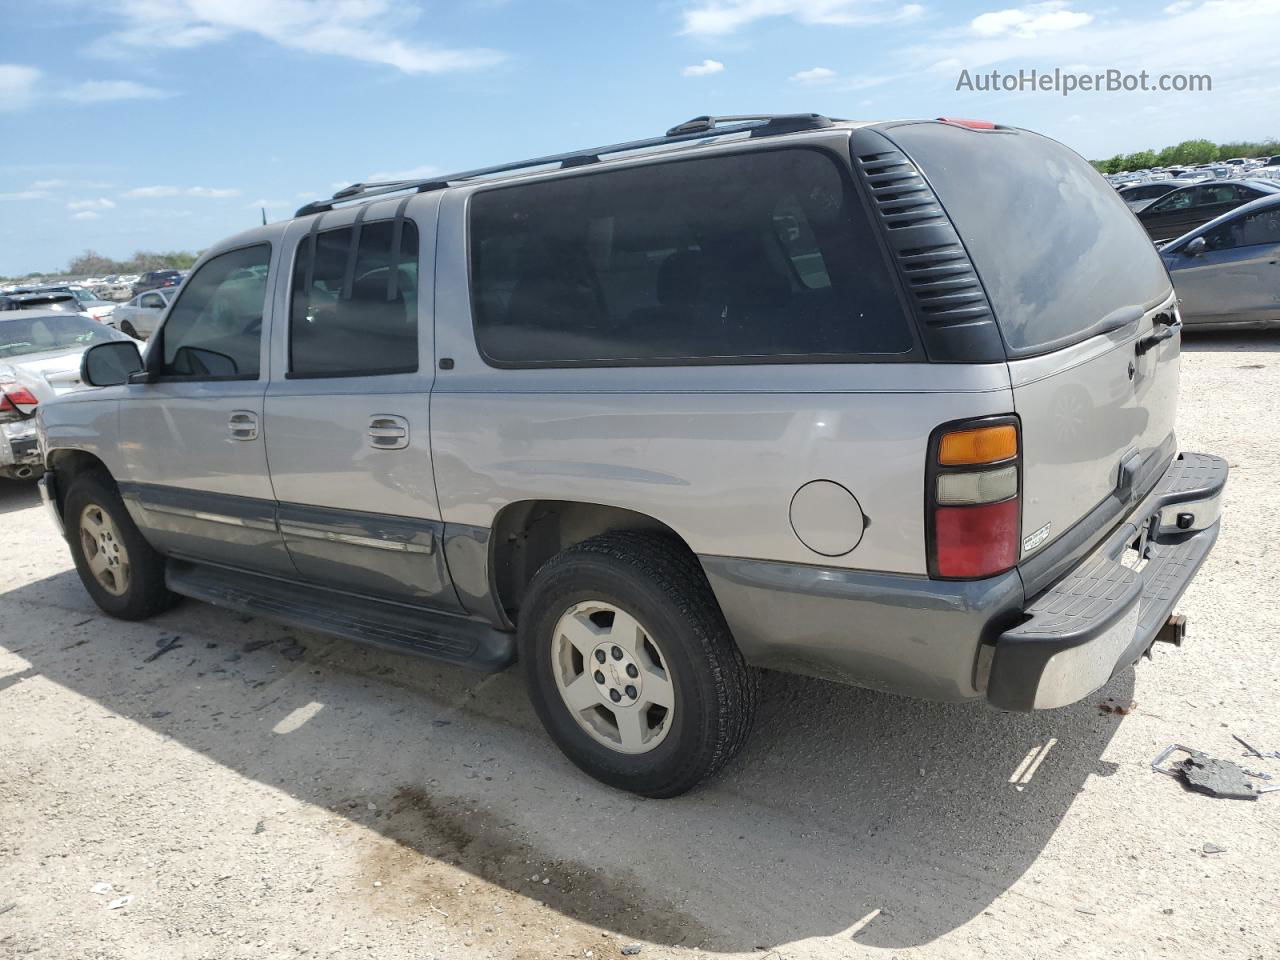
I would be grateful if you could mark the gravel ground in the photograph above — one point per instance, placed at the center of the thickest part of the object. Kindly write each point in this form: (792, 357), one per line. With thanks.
(262, 792)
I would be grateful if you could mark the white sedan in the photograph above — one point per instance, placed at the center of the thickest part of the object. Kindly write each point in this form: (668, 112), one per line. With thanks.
(140, 316)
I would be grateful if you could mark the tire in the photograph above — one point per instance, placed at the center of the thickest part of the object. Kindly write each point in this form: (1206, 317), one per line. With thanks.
(92, 508)
(685, 652)
(127, 329)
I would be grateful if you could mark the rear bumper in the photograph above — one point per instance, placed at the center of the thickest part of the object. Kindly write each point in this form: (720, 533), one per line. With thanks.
(1106, 612)
(963, 640)
(19, 445)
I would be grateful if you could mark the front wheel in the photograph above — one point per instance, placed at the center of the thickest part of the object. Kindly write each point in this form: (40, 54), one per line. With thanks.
(127, 329)
(122, 572)
(631, 666)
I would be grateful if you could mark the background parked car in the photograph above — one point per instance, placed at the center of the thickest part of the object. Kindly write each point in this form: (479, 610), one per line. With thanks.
(1227, 272)
(39, 359)
(157, 279)
(1140, 195)
(59, 302)
(1185, 209)
(140, 316)
(90, 302)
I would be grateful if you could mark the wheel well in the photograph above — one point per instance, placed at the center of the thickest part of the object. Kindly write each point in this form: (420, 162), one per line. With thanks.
(528, 533)
(69, 464)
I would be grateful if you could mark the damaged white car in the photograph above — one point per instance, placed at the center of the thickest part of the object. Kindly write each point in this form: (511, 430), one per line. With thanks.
(39, 359)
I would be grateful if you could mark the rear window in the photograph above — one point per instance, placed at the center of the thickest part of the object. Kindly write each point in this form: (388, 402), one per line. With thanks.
(1055, 246)
(354, 309)
(761, 255)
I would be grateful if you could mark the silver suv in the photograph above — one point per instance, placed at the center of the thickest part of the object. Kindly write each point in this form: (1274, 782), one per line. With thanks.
(890, 404)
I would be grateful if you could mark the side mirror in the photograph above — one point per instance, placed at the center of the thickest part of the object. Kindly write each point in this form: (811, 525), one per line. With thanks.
(110, 364)
(1195, 247)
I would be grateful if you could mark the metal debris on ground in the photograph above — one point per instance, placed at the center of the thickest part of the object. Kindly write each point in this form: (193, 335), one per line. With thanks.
(119, 902)
(631, 949)
(101, 887)
(1254, 751)
(5, 908)
(1120, 708)
(1208, 775)
(1209, 848)
(163, 646)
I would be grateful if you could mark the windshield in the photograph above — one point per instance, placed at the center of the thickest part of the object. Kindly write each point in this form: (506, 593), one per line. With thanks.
(44, 334)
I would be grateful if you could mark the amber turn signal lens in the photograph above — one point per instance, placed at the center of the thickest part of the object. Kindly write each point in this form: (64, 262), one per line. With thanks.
(980, 445)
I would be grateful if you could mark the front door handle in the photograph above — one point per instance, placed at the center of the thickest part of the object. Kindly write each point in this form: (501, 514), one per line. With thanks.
(388, 432)
(243, 425)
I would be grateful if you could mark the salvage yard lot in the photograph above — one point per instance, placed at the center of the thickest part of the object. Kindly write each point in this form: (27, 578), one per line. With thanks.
(264, 792)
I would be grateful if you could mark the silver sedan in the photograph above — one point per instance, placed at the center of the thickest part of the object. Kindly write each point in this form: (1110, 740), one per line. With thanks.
(140, 316)
(1227, 272)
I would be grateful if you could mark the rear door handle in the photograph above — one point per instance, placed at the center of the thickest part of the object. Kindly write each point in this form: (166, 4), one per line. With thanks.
(388, 432)
(1148, 342)
(243, 425)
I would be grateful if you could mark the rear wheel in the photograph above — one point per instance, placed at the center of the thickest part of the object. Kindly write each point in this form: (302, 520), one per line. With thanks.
(127, 329)
(631, 667)
(122, 572)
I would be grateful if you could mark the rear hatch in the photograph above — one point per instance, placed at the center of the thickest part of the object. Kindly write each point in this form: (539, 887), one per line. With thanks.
(1078, 292)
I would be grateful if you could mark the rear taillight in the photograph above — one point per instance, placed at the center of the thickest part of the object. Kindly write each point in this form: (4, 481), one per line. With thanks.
(16, 401)
(973, 498)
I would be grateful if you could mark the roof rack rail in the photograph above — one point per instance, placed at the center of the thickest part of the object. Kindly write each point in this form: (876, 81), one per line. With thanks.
(769, 123)
(756, 125)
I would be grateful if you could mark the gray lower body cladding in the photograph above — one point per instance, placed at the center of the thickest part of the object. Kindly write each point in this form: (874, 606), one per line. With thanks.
(897, 633)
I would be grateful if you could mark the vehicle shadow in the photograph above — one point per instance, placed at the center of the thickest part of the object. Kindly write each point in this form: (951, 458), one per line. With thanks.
(18, 495)
(844, 801)
(1200, 340)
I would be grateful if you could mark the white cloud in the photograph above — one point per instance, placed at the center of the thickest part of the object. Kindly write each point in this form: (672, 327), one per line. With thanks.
(1179, 6)
(1030, 21)
(168, 191)
(420, 172)
(269, 204)
(369, 30)
(214, 192)
(57, 184)
(719, 17)
(85, 215)
(101, 203)
(816, 75)
(104, 91)
(158, 191)
(17, 85)
(703, 69)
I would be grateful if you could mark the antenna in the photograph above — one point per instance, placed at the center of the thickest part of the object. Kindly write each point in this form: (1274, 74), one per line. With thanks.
(264, 216)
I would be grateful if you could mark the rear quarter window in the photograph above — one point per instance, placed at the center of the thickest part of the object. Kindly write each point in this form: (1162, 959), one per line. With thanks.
(761, 256)
(1055, 246)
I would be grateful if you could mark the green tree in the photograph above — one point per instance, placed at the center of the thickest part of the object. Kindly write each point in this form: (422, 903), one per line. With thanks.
(1142, 160)
(1196, 151)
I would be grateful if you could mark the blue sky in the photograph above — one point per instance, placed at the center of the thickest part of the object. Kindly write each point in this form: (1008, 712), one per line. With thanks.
(165, 124)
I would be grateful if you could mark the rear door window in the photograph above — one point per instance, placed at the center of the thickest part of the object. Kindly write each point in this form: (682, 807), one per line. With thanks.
(764, 255)
(354, 309)
(1055, 246)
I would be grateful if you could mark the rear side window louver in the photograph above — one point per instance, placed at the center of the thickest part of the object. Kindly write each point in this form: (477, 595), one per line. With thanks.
(945, 294)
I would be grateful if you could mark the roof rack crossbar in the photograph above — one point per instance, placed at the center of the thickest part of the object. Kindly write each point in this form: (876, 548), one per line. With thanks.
(698, 128)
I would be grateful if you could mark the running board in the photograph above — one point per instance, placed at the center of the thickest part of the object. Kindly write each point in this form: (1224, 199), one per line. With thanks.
(430, 633)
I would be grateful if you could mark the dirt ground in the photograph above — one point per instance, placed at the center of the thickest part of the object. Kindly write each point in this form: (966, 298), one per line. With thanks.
(262, 792)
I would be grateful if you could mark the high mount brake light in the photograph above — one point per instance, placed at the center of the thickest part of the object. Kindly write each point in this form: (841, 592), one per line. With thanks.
(973, 498)
(969, 124)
